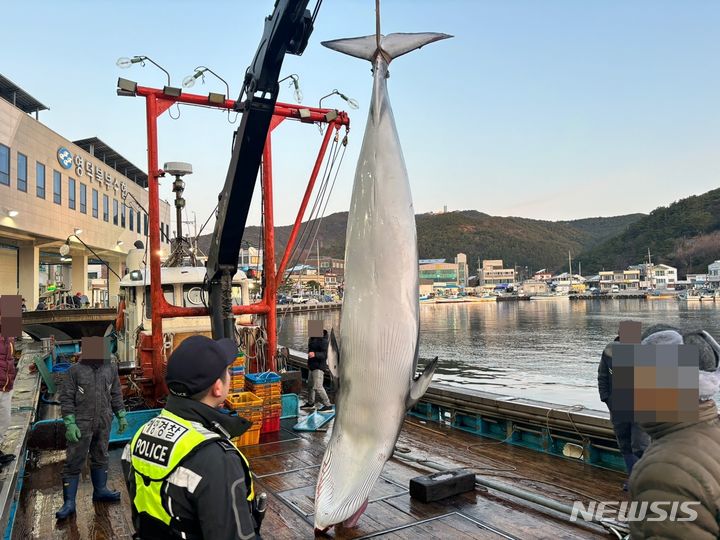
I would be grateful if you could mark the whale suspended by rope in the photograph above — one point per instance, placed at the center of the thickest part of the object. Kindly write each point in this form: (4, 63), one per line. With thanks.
(375, 355)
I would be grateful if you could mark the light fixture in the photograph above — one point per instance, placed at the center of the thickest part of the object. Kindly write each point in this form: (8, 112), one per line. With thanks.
(65, 259)
(350, 101)
(119, 243)
(296, 83)
(172, 91)
(189, 81)
(12, 213)
(126, 87)
(216, 99)
(125, 62)
(65, 248)
(77, 231)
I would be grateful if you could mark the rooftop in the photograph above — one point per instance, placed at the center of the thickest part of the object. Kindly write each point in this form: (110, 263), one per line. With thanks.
(98, 148)
(11, 92)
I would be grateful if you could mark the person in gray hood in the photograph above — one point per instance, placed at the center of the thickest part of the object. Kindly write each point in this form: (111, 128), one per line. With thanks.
(89, 395)
(681, 469)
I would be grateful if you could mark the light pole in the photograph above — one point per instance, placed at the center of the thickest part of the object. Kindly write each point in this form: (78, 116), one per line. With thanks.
(65, 250)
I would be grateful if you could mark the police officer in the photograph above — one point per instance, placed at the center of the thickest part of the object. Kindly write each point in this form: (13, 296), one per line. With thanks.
(89, 395)
(185, 478)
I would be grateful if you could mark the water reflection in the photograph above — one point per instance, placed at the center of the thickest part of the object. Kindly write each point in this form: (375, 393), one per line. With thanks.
(545, 349)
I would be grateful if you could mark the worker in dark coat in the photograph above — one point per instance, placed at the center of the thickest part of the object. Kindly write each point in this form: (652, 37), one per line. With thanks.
(317, 362)
(185, 477)
(89, 395)
(632, 440)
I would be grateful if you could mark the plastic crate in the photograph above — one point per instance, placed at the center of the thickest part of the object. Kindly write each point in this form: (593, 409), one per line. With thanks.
(272, 410)
(243, 400)
(271, 424)
(263, 378)
(255, 418)
(249, 438)
(290, 404)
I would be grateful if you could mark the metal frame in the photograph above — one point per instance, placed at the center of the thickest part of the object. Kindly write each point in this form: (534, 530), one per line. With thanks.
(156, 103)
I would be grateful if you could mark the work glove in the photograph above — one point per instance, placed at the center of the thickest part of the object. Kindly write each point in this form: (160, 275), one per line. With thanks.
(72, 432)
(122, 421)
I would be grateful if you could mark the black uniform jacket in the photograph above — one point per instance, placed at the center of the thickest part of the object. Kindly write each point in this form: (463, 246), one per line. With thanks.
(208, 490)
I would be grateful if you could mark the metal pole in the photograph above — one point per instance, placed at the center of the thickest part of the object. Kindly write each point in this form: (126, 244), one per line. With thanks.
(156, 296)
(269, 258)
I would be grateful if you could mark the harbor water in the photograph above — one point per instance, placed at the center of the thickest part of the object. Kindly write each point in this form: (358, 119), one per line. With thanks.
(547, 350)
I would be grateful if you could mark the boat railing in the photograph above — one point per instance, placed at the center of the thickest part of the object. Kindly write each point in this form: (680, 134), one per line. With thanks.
(573, 432)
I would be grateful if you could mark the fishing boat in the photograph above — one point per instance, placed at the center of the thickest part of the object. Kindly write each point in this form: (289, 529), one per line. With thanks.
(534, 459)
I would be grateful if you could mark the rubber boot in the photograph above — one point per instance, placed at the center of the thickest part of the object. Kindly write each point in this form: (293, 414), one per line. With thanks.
(100, 491)
(630, 461)
(70, 485)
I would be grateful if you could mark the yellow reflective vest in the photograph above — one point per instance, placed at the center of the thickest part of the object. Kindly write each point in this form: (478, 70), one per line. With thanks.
(158, 449)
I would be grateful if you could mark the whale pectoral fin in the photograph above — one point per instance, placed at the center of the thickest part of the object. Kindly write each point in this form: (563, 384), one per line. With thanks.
(333, 355)
(420, 385)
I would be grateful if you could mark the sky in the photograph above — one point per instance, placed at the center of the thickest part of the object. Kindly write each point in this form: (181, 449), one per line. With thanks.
(546, 109)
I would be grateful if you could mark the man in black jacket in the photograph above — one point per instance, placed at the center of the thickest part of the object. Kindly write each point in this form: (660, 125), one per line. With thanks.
(317, 357)
(632, 440)
(185, 478)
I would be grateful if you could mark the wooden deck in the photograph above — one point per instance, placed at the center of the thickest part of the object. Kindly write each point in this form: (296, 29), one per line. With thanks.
(286, 467)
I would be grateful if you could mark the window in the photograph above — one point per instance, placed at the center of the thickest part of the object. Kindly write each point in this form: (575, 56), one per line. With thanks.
(131, 215)
(4, 165)
(145, 219)
(122, 216)
(95, 203)
(40, 180)
(116, 212)
(57, 187)
(167, 232)
(71, 193)
(106, 208)
(83, 198)
(138, 221)
(22, 172)
(162, 231)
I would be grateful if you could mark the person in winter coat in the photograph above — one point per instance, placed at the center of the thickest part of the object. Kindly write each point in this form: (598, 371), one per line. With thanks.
(680, 471)
(89, 396)
(317, 362)
(7, 379)
(632, 440)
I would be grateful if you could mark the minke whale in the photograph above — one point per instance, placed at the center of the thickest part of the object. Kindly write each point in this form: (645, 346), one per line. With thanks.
(374, 357)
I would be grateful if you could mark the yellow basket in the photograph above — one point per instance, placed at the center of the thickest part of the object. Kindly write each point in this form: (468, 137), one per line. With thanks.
(243, 400)
(249, 438)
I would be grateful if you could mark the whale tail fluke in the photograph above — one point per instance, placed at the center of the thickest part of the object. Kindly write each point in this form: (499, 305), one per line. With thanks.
(391, 46)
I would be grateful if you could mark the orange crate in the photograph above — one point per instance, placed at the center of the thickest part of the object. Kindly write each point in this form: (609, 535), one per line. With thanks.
(272, 410)
(242, 400)
(248, 438)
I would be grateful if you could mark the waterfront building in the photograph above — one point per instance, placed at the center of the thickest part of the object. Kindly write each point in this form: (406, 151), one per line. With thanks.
(56, 191)
(713, 274)
(663, 276)
(331, 265)
(695, 280)
(532, 287)
(563, 282)
(542, 275)
(492, 274)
